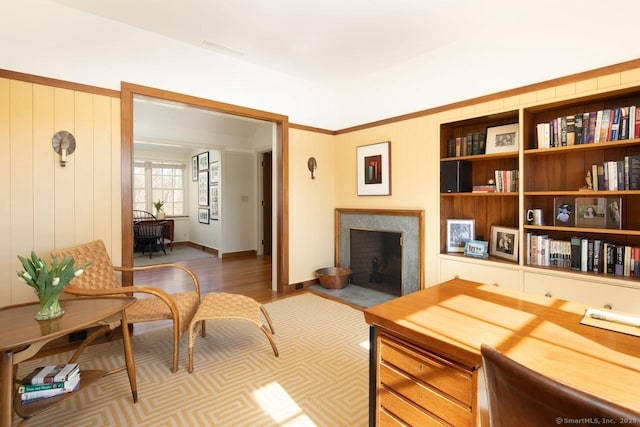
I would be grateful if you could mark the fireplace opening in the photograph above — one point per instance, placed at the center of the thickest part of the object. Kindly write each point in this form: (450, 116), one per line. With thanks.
(376, 260)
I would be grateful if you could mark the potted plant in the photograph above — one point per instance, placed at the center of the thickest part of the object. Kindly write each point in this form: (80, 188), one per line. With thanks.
(159, 212)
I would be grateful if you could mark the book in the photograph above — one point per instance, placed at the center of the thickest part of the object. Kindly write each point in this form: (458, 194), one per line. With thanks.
(50, 374)
(24, 388)
(72, 385)
(634, 172)
(604, 125)
(618, 268)
(614, 127)
(598, 128)
(624, 123)
(576, 253)
(584, 255)
(632, 121)
(578, 119)
(593, 120)
(570, 126)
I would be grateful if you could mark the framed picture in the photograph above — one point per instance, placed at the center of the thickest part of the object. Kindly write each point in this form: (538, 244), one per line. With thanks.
(564, 213)
(502, 139)
(203, 161)
(374, 169)
(476, 249)
(591, 212)
(614, 213)
(203, 188)
(203, 215)
(504, 242)
(214, 171)
(194, 168)
(459, 231)
(214, 198)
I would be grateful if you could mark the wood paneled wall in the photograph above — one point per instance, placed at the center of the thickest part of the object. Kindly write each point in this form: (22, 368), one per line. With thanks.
(44, 205)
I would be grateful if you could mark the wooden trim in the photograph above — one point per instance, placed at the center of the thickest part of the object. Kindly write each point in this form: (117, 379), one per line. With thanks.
(391, 212)
(311, 129)
(46, 81)
(281, 154)
(239, 254)
(598, 72)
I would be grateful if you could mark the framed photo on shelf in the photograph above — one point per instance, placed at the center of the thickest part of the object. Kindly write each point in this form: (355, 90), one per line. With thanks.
(194, 168)
(591, 212)
(459, 232)
(203, 215)
(203, 161)
(476, 249)
(504, 242)
(214, 172)
(502, 139)
(564, 213)
(203, 188)
(374, 169)
(614, 213)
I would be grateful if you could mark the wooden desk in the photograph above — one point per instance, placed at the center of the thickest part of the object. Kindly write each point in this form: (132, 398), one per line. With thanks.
(429, 342)
(23, 336)
(167, 232)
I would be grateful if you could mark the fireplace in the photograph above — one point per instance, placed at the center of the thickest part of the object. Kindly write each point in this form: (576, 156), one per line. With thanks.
(375, 259)
(403, 263)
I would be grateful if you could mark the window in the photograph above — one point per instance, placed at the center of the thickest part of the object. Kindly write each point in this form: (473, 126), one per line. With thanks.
(153, 181)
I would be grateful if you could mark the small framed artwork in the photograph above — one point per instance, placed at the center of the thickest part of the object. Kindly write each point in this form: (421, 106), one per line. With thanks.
(459, 232)
(203, 161)
(374, 169)
(502, 139)
(203, 188)
(504, 242)
(203, 215)
(476, 249)
(214, 171)
(564, 215)
(214, 198)
(194, 168)
(591, 212)
(614, 213)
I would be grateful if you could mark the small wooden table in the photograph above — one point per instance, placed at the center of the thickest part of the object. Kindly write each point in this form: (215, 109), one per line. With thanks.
(23, 337)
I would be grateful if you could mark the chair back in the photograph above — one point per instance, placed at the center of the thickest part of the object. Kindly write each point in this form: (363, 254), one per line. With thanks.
(100, 274)
(519, 396)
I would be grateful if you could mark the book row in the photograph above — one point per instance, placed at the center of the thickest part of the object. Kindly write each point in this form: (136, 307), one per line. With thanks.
(609, 124)
(583, 254)
(49, 381)
(614, 175)
(472, 144)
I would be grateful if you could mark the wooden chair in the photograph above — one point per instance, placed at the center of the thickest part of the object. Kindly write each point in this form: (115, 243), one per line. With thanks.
(99, 279)
(148, 232)
(521, 397)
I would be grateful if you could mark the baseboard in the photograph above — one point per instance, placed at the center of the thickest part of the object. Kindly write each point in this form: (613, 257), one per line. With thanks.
(200, 247)
(295, 287)
(239, 254)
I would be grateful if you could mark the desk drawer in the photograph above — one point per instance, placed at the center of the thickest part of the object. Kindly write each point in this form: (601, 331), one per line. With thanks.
(430, 369)
(425, 397)
(398, 411)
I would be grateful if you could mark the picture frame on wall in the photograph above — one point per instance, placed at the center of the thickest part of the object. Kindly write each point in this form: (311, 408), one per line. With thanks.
(374, 169)
(214, 197)
(502, 139)
(203, 161)
(203, 188)
(203, 215)
(459, 232)
(194, 168)
(214, 172)
(504, 242)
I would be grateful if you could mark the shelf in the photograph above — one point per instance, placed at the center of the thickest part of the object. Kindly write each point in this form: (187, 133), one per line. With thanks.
(582, 147)
(27, 410)
(483, 157)
(582, 193)
(491, 194)
(583, 230)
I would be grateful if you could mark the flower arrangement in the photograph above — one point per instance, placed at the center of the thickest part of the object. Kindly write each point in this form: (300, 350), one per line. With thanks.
(158, 205)
(48, 281)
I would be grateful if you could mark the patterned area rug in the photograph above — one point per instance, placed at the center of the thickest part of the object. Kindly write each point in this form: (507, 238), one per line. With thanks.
(320, 378)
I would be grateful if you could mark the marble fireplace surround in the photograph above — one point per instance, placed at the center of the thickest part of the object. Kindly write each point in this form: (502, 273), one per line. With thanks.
(410, 223)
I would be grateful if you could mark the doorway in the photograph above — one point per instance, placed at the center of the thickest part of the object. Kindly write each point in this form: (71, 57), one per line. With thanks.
(278, 176)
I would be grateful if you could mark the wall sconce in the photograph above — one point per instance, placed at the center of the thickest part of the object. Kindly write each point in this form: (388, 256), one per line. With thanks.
(64, 144)
(312, 165)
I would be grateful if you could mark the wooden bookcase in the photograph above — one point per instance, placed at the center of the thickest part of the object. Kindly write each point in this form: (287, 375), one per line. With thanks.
(486, 209)
(557, 174)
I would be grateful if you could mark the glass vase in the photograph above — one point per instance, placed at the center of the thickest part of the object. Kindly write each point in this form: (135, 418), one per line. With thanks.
(49, 308)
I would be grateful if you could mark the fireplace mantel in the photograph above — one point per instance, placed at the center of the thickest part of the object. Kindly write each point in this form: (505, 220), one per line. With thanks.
(408, 222)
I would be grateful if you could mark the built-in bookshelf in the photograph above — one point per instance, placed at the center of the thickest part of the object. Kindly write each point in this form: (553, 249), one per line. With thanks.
(582, 183)
(486, 206)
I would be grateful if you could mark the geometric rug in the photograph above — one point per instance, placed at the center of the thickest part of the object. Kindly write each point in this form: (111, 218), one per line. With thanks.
(319, 379)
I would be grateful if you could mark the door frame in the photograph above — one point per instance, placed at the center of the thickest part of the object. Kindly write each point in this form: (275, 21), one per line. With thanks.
(280, 157)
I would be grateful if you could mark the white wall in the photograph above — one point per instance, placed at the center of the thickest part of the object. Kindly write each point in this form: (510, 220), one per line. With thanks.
(239, 200)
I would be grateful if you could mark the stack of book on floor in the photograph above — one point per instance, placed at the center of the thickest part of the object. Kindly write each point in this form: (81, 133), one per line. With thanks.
(49, 381)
